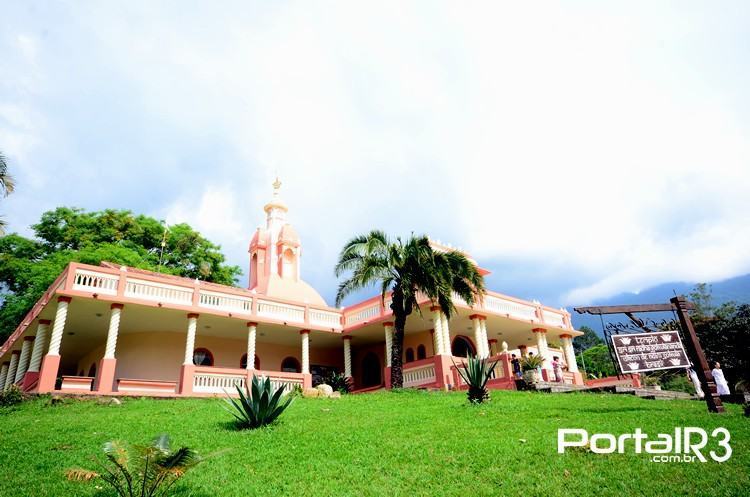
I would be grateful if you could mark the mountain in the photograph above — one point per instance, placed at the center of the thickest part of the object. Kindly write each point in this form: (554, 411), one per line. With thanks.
(734, 289)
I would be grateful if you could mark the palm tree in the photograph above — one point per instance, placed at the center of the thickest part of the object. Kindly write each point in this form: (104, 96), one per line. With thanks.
(6, 185)
(406, 269)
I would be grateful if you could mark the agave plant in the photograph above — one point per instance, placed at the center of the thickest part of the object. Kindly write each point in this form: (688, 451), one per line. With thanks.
(259, 405)
(476, 374)
(140, 470)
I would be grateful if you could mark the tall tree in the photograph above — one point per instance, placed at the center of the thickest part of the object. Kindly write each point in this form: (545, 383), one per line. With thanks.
(28, 266)
(406, 268)
(587, 340)
(6, 186)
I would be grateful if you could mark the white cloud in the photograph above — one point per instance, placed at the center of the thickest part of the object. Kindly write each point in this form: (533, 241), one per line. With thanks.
(611, 143)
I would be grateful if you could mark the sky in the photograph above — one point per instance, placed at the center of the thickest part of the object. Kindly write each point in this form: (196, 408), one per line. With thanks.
(575, 149)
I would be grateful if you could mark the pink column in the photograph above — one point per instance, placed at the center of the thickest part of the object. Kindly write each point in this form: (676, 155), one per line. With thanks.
(51, 362)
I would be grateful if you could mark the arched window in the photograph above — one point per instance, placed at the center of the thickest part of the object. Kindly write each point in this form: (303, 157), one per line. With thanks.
(287, 264)
(243, 362)
(92, 371)
(462, 347)
(421, 353)
(410, 355)
(290, 365)
(203, 357)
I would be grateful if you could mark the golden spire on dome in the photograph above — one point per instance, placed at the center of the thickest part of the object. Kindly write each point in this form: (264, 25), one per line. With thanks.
(276, 201)
(276, 185)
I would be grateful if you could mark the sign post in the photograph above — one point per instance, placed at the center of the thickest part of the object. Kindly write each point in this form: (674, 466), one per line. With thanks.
(661, 349)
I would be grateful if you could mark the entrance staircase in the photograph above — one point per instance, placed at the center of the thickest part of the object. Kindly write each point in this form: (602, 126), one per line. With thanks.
(644, 393)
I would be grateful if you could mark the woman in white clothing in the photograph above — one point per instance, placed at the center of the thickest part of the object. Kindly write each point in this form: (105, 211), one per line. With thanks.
(721, 383)
(696, 382)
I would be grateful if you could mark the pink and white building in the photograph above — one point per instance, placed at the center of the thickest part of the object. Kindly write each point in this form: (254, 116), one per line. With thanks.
(111, 329)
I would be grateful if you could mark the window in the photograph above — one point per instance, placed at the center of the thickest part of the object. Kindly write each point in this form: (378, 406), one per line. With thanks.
(243, 362)
(290, 365)
(421, 353)
(203, 357)
(409, 355)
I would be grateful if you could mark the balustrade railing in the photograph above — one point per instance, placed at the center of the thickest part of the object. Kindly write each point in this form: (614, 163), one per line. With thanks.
(419, 375)
(282, 312)
(225, 302)
(553, 318)
(324, 318)
(161, 292)
(91, 281)
(369, 312)
(205, 382)
(508, 307)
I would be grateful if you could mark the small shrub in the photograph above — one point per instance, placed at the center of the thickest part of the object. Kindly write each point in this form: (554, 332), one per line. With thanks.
(678, 383)
(259, 405)
(476, 374)
(12, 396)
(531, 362)
(339, 383)
(140, 470)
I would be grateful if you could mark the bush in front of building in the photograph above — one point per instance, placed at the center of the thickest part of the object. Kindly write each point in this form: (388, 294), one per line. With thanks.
(339, 383)
(259, 405)
(12, 396)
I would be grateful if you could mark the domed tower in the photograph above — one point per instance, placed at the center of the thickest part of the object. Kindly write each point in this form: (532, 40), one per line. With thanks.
(275, 253)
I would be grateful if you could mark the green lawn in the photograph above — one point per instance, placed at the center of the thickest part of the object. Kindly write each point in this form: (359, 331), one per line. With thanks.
(409, 443)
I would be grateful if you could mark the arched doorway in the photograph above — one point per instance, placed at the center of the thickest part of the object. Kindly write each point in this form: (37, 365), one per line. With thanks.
(462, 347)
(371, 371)
(290, 365)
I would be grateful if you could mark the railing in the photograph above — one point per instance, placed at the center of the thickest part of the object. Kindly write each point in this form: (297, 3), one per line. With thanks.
(204, 382)
(90, 281)
(364, 314)
(282, 312)
(420, 375)
(225, 302)
(553, 318)
(324, 318)
(508, 307)
(161, 292)
(226, 380)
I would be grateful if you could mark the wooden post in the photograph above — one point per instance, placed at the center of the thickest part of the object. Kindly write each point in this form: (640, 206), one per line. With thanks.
(695, 351)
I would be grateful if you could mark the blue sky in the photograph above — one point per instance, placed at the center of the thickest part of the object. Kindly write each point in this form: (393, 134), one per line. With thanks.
(576, 149)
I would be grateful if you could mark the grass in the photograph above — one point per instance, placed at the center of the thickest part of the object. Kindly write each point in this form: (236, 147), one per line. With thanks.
(407, 443)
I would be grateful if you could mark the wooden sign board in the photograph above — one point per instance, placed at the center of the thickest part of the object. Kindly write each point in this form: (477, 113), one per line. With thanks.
(638, 352)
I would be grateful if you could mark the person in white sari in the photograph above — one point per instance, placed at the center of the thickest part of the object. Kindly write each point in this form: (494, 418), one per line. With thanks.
(721, 383)
(696, 382)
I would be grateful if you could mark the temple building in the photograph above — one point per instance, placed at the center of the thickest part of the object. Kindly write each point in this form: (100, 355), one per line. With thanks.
(111, 329)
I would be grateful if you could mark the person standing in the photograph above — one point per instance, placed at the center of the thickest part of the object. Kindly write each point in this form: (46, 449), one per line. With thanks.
(557, 368)
(721, 383)
(696, 382)
(516, 366)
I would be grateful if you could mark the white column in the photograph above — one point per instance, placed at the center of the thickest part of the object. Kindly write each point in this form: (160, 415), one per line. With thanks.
(10, 376)
(348, 356)
(3, 375)
(541, 345)
(305, 351)
(23, 360)
(570, 354)
(388, 329)
(61, 314)
(252, 331)
(190, 339)
(439, 337)
(485, 342)
(39, 343)
(112, 333)
(476, 323)
(446, 334)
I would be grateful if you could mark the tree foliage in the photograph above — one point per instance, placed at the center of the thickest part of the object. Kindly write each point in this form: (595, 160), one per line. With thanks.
(726, 340)
(597, 361)
(29, 265)
(406, 268)
(587, 340)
